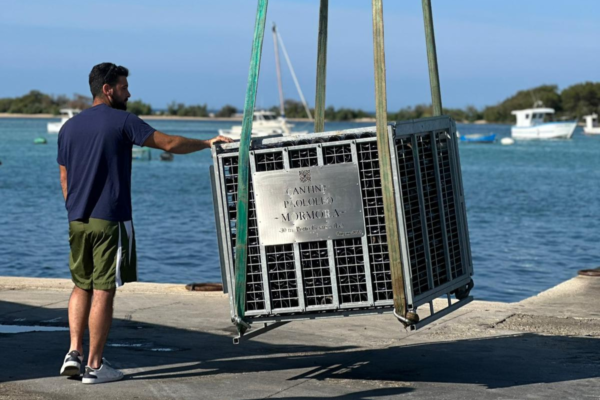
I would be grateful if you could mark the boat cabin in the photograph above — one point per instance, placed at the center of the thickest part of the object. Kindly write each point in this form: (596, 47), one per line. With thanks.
(591, 121)
(67, 113)
(264, 116)
(533, 116)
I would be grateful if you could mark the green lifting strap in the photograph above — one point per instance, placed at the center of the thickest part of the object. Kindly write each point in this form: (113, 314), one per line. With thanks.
(434, 77)
(241, 244)
(321, 68)
(385, 166)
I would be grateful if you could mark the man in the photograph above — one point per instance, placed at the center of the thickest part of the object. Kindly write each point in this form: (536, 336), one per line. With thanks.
(94, 157)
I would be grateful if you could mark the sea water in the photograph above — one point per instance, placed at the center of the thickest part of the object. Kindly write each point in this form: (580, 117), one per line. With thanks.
(533, 209)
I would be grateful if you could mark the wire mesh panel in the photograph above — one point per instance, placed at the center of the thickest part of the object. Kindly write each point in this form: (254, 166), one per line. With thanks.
(431, 208)
(302, 158)
(333, 272)
(352, 281)
(283, 284)
(255, 299)
(412, 215)
(318, 288)
(370, 180)
(449, 204)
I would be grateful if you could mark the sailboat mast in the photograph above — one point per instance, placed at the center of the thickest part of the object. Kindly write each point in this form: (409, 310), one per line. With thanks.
(278, 65)
(289, 63)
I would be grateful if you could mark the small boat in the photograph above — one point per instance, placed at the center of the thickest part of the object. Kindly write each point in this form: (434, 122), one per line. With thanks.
(535, 123)
(265, 123)
(141, 153)
(592, 127)
(166, 156)
(478, 138)
(65, 115)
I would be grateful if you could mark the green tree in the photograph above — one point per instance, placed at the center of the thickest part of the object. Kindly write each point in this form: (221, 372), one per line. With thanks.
(227, 111)
(581, 99)
(138, 107)
(5, 104)
(79, 101)
(547, 94)
(34, 102)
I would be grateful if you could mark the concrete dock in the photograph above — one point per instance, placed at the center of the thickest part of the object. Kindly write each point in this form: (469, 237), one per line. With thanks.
(174, 344)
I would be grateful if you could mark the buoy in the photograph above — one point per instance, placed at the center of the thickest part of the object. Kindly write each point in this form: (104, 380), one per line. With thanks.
(40, 140)
(166, 156)
(507, 141)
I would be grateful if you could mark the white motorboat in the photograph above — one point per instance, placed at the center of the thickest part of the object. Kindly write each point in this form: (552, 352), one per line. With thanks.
(65, 115)
(266, 123)
(592, 127)
(141, 153)
(535, 123)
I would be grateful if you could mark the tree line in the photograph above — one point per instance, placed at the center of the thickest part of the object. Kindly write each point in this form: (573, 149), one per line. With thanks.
(572, 102)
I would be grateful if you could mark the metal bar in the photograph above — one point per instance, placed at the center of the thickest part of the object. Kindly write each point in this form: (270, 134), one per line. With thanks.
(341, 313)
(299, 277)
(383, 145)
(441, 290)
(228, 250)
(468, 260)
(321, 67)
(442, 313)
(241, 244)
(278, 69)
(408, 285)
(259, 331)
(333, 274)
(434, 77)
(218, 225)
(460, 206)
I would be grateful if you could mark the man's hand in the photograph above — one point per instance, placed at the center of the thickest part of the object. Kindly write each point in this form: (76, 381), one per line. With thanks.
(219, 139)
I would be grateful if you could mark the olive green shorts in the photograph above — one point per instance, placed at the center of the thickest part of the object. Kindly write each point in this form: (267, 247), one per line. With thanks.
(103, 253)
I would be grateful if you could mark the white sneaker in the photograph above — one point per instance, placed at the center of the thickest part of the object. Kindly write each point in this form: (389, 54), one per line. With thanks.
(105, 373)
(72, 364)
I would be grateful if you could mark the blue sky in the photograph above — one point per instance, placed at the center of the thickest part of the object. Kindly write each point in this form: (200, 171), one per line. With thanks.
(198, 51)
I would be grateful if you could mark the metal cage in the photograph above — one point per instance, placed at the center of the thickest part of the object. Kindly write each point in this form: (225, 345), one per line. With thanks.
(295, 277)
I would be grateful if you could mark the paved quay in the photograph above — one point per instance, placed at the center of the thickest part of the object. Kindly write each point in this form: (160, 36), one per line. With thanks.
(174, 344)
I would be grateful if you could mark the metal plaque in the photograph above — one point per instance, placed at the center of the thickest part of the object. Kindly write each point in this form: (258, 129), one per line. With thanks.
(309, 204)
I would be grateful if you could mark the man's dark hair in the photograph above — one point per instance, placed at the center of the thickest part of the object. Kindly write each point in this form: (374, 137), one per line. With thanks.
(105, 73)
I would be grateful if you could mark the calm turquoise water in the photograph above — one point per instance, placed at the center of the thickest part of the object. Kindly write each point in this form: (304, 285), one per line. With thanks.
(533, 209)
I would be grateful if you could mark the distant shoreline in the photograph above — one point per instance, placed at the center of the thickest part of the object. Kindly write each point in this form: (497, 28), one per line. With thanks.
(214, 119)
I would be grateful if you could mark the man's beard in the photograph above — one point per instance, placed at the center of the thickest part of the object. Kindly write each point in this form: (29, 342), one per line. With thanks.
(119, 105)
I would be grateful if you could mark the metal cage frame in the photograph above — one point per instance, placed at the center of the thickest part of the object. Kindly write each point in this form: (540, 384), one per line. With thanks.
(436, 135)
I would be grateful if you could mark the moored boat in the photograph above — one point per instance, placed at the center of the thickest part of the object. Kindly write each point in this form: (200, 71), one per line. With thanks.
(141, 153)
(478, 138)
(265, 123)
(592, 127)
(65, 115)
(534, 123)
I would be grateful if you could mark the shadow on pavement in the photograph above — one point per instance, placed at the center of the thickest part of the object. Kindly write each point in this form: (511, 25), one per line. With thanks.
(165, 352)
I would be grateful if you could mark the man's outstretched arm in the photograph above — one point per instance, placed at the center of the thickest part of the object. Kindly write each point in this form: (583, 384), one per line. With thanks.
(63, 180)
(180, 144)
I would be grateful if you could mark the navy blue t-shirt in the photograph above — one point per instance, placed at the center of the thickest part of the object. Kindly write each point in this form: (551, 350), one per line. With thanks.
(95, 148)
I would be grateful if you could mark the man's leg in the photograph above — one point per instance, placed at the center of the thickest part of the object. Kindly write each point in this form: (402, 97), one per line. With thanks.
(79, 310)
(81, 265)
(99, 324)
